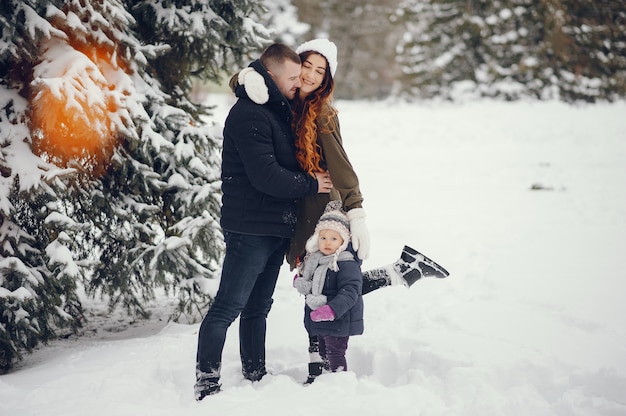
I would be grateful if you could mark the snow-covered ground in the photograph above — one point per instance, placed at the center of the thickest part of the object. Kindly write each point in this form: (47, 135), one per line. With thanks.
(530, 322)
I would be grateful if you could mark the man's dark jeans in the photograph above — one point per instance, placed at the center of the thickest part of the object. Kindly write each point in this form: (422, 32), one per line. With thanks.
(249, 276)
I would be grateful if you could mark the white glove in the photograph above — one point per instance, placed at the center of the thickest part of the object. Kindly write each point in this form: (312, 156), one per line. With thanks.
(254, 84)
(360, 235)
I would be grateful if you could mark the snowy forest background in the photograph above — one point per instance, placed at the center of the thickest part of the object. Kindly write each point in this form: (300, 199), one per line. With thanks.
(109, 161)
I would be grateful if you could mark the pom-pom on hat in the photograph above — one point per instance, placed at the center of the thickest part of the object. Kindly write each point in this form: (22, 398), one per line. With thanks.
(333, 218)
(325, 48)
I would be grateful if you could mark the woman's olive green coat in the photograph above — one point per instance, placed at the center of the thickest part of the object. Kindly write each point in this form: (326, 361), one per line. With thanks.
(345, 186)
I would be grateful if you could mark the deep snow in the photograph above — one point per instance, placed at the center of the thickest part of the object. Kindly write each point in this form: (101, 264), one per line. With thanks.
(524, 203)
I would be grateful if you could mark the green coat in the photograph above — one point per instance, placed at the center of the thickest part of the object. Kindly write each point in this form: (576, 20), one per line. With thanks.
(345, 188)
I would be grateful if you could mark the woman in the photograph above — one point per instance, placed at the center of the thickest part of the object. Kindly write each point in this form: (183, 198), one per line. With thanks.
(319, 147)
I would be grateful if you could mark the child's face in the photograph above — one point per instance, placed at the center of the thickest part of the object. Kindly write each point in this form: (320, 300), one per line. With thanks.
(329, 241)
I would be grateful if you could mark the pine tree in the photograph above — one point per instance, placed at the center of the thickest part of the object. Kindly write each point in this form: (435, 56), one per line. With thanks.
(439, 48)
(282, 17)
(37, 274)
(109, 173)
(594, 65)
(567, 49)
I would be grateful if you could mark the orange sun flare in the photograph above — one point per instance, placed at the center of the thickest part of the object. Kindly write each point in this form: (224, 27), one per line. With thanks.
(71, 115)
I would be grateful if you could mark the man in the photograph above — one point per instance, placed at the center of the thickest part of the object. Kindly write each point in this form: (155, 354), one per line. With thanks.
(261, 182)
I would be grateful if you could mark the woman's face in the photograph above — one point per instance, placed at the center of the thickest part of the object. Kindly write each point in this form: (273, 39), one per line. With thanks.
(313, 71)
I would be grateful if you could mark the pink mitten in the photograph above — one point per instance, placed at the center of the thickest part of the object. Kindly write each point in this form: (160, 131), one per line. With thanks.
(323, 313)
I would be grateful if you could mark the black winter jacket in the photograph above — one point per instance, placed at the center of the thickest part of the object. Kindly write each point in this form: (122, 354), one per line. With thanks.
(261, 178)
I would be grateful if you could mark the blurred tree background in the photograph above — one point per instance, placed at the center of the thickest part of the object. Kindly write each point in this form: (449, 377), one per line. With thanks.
(572, 50)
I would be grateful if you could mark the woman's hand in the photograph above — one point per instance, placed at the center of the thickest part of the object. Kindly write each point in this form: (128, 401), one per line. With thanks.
(324, 184)
(360, 235)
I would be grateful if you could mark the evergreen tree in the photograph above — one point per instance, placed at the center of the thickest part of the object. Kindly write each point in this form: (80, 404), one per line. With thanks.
(440, 48)
(109, 173)
(594, 65)
(282, 17)
(37, 272)
(567, 49)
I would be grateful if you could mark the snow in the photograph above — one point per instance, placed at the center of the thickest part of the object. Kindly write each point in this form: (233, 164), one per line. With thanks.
(522, 202)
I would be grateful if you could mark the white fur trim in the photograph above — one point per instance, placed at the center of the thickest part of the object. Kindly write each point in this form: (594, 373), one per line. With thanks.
(241, 77)
(312, 244)
(254, 84)
(314, 357)
(395, 277)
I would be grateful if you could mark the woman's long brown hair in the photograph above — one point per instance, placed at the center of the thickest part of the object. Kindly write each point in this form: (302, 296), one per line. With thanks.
(305, 123)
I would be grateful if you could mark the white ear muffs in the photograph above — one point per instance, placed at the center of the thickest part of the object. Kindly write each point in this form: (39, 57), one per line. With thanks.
(254, 84)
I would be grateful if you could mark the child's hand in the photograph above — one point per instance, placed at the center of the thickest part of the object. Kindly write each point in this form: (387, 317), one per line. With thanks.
(323, 313)
(302, 285)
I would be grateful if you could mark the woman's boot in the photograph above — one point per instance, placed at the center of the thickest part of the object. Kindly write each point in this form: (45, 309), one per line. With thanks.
(408, 269)
(413, 265)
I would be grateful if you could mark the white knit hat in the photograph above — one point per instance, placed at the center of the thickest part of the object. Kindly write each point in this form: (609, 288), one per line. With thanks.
(333, 218)
(325, 48)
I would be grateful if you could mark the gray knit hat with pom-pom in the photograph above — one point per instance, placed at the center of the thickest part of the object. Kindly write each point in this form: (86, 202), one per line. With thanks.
(333, 218)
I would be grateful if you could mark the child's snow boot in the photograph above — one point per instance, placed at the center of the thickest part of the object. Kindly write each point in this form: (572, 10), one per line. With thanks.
(318, 362)
(315, 370)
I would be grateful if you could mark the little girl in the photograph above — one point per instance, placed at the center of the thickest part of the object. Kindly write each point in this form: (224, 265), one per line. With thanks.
(331, 280)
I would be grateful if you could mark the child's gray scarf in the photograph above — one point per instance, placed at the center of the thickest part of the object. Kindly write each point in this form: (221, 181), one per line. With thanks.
(315, 267)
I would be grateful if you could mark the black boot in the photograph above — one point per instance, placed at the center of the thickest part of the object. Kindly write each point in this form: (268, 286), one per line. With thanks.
(375, 279)
(207, 384)
(208, 390)
(317, 364)
(413, 265)
(315, 370)
(408, 269)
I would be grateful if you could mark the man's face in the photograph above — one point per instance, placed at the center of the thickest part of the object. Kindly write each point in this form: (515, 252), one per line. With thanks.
(287, 78)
